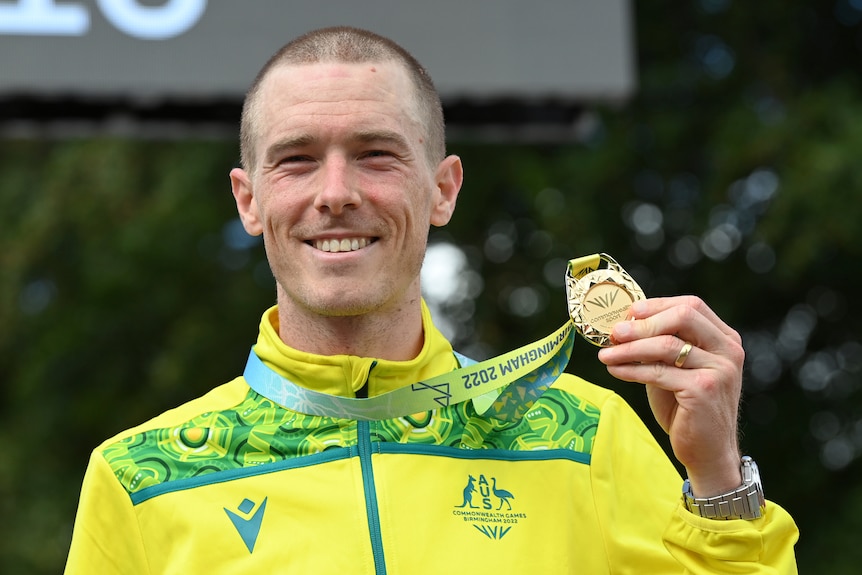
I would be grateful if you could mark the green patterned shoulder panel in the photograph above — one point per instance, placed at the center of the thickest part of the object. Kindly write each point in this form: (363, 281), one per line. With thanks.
(255, 432)
(259, 432)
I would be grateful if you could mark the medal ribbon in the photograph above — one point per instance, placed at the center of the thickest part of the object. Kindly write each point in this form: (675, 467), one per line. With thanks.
(504, 387)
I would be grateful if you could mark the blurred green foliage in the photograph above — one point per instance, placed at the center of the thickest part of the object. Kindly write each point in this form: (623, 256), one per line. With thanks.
(126, 286)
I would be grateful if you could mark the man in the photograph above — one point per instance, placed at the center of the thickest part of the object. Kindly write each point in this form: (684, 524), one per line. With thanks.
(317, 461)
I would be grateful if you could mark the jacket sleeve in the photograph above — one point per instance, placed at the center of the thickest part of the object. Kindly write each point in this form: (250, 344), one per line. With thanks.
(106, 538)
(647, 525)
(763, 546)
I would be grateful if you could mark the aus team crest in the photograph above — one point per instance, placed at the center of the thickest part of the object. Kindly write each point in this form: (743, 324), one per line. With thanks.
(490, 508)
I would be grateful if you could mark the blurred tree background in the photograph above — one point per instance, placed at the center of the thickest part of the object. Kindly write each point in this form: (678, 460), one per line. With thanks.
(128, 285)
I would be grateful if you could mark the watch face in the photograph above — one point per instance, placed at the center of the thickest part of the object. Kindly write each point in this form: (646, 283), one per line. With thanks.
(751, 476)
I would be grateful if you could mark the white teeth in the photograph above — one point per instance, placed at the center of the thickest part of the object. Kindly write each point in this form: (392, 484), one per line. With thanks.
(345, 245)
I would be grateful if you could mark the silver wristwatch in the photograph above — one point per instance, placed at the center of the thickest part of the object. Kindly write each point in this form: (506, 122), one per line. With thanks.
(745, 502)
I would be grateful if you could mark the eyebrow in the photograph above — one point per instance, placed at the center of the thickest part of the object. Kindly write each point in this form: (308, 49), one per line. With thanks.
(360, 137)
(385, 136)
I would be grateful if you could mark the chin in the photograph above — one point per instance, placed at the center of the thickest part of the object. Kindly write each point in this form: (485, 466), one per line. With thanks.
(336, 299)
(342, 305)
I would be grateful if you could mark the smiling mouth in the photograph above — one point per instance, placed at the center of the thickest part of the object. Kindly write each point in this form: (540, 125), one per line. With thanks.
(342, 245)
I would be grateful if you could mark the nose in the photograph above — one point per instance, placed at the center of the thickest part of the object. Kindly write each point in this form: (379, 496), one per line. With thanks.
(338, 189)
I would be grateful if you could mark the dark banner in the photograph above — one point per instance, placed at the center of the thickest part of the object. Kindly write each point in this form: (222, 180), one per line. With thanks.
(188, 49)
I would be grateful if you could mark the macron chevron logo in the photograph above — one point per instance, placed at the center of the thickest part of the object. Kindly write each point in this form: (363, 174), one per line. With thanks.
(246, 523)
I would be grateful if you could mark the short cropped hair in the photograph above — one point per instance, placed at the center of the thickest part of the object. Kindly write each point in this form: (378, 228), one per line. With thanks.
(345, 44)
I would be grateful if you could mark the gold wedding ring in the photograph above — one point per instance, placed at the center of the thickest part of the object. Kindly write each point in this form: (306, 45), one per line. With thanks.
(683, 355)
(599, 294)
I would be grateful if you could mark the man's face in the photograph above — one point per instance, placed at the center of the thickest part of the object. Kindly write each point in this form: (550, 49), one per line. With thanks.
(342, 190)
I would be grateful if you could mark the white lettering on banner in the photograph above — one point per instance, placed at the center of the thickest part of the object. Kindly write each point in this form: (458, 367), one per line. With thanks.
(153, 22)
(43, 18)
(46, 18)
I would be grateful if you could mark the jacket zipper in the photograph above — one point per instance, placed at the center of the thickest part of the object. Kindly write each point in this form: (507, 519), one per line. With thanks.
(363, 432)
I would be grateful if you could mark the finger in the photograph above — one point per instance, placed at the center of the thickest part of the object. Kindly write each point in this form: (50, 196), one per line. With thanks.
(656, 374)
(665, 349)
(685, 322)
(653, 306)
(701, 373)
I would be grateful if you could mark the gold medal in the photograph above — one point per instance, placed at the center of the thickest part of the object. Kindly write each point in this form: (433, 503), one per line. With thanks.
(598, 296)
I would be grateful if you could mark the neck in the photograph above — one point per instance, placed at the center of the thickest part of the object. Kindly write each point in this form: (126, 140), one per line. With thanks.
(395, 334)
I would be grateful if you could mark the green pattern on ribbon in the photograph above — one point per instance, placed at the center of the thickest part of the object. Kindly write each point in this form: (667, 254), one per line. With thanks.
(517, 398)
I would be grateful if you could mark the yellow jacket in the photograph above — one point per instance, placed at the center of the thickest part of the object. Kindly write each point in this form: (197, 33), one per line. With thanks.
(234, 483)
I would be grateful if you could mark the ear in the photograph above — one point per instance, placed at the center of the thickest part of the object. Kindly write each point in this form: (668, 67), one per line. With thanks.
(449, 177)
(246, 205)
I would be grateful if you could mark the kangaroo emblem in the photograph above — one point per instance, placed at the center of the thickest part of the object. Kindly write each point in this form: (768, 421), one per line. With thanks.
(469, 489)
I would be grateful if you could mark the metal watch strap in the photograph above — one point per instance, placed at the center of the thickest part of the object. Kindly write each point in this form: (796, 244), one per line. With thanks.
(745, 502)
